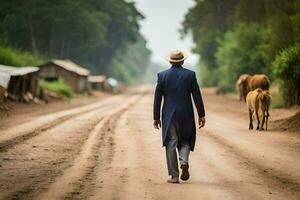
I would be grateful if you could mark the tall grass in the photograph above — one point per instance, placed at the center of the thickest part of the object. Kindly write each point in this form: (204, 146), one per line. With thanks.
(57, 86)
(18, 58)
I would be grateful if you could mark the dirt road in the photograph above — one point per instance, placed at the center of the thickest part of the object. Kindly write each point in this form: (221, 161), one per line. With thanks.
(109, 150)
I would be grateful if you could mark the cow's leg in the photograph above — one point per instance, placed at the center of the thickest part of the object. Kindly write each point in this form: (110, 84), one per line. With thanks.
(258, 121)
(267, 117)
(250, 119)
(263, 121)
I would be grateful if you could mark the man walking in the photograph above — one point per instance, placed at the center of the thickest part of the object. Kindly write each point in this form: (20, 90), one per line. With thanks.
(176, 85)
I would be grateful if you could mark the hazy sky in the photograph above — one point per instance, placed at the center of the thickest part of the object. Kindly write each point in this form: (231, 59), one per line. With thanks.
(160, 28)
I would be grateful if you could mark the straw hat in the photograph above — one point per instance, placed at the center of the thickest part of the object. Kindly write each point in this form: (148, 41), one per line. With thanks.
(177, 56)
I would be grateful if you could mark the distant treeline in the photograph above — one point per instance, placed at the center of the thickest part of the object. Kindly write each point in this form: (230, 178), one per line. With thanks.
(247, 36)
(102, 35)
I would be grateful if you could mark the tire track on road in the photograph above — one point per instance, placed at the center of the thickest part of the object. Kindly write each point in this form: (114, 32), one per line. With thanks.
(84, 188)
(84, 164)
(275, 178)
(56, 167)
(23, 136)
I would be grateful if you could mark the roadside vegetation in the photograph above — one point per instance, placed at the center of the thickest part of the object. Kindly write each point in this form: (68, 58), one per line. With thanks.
(59, 87)
(287, 70)
(252, 36)
(14, 57)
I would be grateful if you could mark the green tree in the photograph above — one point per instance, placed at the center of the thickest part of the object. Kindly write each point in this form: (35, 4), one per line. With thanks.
(207, 20)
(240, 51)
(283, 19)
(227, 47)
(90, 32)
(287, 69)
(131, 63)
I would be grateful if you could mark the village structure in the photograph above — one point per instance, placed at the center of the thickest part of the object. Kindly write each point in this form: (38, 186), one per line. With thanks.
(99, 82)
(21, 84)
(72, 74)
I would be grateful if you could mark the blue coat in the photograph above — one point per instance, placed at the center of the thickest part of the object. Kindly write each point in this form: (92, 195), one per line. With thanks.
(175, 86)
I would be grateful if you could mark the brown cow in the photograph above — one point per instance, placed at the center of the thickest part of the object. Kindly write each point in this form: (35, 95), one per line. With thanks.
(242, 86)
(258, 103)
(259, 81)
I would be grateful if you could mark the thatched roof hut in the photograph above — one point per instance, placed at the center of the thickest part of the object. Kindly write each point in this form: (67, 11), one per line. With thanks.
(71, 73)
(98, 82)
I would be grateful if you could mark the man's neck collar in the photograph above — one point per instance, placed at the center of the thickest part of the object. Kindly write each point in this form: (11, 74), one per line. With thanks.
(176, 65)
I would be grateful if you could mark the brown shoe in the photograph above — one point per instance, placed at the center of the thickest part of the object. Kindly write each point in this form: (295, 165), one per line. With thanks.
(173, 180)
(185, 175)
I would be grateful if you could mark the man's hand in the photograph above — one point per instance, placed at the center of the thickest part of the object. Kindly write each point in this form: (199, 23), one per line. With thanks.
(201, 122)
(157, 124)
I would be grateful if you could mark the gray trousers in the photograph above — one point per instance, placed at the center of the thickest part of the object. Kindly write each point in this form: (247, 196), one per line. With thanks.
(171, 153)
